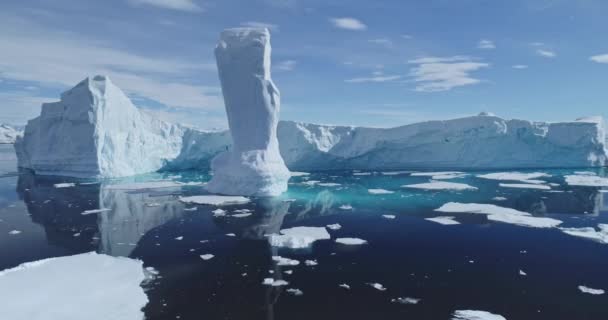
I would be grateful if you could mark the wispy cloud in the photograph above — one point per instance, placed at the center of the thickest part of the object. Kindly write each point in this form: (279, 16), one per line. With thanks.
(348, 23)
(519, 66)
(386, 42)
(602, 58)
(486, 44)
(407, 36)
(179, 5)
(375, 78)
(546, 53)
(257, 24)
(287, 65)
(433, 74)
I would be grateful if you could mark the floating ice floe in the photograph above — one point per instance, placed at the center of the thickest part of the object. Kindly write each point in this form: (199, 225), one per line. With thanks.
(207, 256)
(344, 285)
(389, 216)
(585, 173)
(380, 191)
(13, 232)
(600, 235)
(143, 185)
(95, 211)
(298, 237)
(191, 209)
(274, 283)
(94, 286)
(351, 241)
(405, 300)
(377, 286)
(440, 185)
(586, 181)
(501, 214)
(441, 175)
(311, 263)
(362, 173)
(64, 185)
(335, 226)
(285, 261)
(345, 207)
(522, 273)
(218, 212)
(475, 315)
(180, 238)
(445, 220)
(329, 184)
(394, 173)
(299, 174)
(592, 291)
(499, 199)
(513, 176)
(230, 235)
(241, 215)
(215, 200)
(295, 292)
(524, 186)
(311, 182)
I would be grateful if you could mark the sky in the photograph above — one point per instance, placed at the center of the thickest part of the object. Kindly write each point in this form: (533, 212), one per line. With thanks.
(343, 62)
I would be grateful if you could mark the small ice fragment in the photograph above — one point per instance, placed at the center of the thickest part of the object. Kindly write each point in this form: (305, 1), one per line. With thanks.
(77, 234)
(219, 213)
(445, 220)
(362, 173)
(522, 273)
(179, 238)
(405, 300)
(295, 292)
(298, 237)
(344, 285)
(441, 175)
(207, 256)
(14, 232)
(64, 185)
(95, 211)
(440, 185)
(329, 184)
(388, 216)
(241, 215)
(335, 226)
(345, 207)
(215, 200)
(592, 291)
(524, 186)
(274, 283)
(285, 261)
(377, 286)
(191, 209)
(499, 199)
(230, 235)
(311, 263)
(351, 241)
(513, 176)
(299, 174)
(288, 271)
(475, 315)
(380, 191)
(152, 271)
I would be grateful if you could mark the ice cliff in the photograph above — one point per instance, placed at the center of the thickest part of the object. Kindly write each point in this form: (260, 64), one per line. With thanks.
(253, 166)
(95, 131)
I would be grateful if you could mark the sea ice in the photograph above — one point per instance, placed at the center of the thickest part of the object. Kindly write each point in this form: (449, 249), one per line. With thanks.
(345, 207)
(95, 211)
(143, 185)
(380, 191)
(501, 214)
(389, 216)
(445, 220)
(241, 215)
(499, 199)
(440, 185)
(476, 315)
(299, 174)
(253, 166)
(586, 181)
(592, 291)
(274, 283)
(405, 300)
(351, 241)
(298, 237)
(600, 235)
(281, 261)
(524, 186)
(64, 185)
(207, 256)
(335, 226)
(215, 200)
(441, 175)
(84, 286)
(329, 184)
(311, 263)
(14, 232)
(344, 285)
(522, 273)
(295, 292)
(377, 286)
(513, 176)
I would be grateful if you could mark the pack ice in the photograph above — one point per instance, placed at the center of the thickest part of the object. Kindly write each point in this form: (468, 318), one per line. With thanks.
(254, 165)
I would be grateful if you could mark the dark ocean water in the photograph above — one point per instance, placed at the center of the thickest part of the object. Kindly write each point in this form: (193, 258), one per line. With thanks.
(474, 265)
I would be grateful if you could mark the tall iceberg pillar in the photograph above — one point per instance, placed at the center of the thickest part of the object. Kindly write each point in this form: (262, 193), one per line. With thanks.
(254, 165)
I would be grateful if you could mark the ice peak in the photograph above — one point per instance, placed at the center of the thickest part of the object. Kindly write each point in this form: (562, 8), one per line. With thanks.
(242, 37)
(96, 85)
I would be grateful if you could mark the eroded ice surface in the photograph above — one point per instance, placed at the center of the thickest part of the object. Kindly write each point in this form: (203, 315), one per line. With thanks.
(84, 286)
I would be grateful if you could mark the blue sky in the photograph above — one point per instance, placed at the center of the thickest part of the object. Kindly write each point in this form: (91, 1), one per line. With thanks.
(366, 62)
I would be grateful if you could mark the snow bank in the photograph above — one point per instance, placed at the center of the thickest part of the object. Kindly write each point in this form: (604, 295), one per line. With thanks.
(298, 237)
(440, 185)
(501, 214)
(254, 165)
(85, 286)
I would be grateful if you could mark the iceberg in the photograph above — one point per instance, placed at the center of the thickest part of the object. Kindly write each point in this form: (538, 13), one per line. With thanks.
(253, 166)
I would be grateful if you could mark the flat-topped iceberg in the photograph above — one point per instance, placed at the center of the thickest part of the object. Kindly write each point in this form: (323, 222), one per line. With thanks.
(254, 165)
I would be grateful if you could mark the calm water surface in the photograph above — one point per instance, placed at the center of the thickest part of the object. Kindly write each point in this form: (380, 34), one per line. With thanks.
(473, 265)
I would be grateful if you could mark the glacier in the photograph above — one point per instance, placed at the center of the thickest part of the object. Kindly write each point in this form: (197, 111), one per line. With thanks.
(253, 166)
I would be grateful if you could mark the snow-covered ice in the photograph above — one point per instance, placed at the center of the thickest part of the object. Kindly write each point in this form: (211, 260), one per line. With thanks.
(254, 165)
(501, 214)
(215, 200)
(380, 191)
(524, 186)
(351, 241)
(592, 291)
(440, 185)
(298, 237)
(445, 220)
(475, 315)
(84, 286)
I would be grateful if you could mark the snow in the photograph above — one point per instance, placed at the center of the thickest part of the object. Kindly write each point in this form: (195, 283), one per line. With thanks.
(351, 241)
(592, 291)
(298, 237)
(379, 191)
(584, 180)
(335, 226)
(254, 166)
(513, 176)
(590, 233)
(475, 315)
(64, 185)
(8, 133)
(96, 131)
(93, 211)
(524, 186)
(405, 300)
(207, 256)
(440, 185)
(215, 200)
(285, 261)
(501, 214)
(84, 286)
(445, 220)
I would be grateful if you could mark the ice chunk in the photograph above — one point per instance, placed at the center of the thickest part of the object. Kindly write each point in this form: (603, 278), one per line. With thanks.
(14, 232)
(351, 241)
(295, 292)
(143, 185)
(311, 263)
(405, 300)
(441, 175)
(207, 256)
(285, 261)
(499, 199)
(600, 235)
(522, 273)
(388, 216)
(274, 283)
(524, 186)
(299, 174)
(298, 237)
(379, 191)
(97, 287)
(335, 226)
(345, 207)
(93, 211)
(241, 215)
(440, 185)
(513, 176)
(586, 181)
(329, 184)
(254, 165)
(64, 185)
(344, 285)
(592, 291)
(476, 315)
(215, 200)
(377, 286)
(501, 214)
(445, 220)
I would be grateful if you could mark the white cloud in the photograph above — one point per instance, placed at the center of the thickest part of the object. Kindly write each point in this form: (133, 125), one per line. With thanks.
(546, 53)
(433, 74)
(179, 5)
(375, 78)
(486, 44)
(348, 23)
(386, 42)
(21, 105)
(519, 66)
(257, 24)
(602, 58)
(287, 65)
(407, 36)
